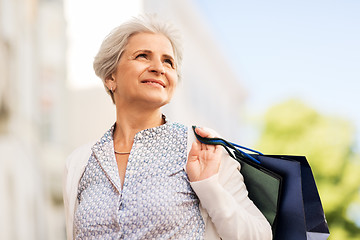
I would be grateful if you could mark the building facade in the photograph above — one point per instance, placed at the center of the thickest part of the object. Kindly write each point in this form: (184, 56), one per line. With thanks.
(32, 77)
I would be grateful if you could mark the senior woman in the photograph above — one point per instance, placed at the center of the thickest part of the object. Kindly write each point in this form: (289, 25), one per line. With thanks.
(148, 177)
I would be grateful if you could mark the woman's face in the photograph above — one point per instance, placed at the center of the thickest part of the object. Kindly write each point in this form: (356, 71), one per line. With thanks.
(146, 73)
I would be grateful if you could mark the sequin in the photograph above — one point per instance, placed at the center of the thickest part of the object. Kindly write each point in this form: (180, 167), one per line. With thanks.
(156, 202)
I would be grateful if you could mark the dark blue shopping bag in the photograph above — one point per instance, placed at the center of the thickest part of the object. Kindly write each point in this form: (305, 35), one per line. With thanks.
(299, 214)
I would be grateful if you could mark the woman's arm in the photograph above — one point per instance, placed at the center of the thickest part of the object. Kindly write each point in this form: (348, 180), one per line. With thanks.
(223, 194)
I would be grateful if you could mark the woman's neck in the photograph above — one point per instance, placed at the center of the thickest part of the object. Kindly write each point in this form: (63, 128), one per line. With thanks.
(131, 121)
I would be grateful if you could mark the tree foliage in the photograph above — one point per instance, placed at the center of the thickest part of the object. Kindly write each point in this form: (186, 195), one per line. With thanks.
(294, 128)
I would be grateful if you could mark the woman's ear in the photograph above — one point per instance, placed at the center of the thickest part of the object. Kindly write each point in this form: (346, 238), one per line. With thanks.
(110, 82)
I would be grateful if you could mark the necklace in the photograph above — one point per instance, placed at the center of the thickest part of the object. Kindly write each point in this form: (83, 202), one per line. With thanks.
(122, 153)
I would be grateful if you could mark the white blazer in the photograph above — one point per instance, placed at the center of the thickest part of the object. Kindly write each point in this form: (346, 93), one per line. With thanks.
(227, 211)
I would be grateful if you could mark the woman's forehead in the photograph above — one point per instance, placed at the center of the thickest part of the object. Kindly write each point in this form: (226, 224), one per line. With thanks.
(150, 42)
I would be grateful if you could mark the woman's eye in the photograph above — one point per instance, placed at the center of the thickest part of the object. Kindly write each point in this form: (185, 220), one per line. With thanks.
(168, 61)
(142, 55)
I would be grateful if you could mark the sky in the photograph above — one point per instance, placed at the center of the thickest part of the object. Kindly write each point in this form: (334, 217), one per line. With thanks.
(283, 49)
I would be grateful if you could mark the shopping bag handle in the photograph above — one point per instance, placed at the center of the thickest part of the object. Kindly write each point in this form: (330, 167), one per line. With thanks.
(237, 148)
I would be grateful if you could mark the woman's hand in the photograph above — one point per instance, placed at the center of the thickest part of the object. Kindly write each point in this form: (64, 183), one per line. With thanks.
(204, 160)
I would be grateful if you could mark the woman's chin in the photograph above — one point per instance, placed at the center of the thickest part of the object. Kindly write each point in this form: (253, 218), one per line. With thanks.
(154, 102)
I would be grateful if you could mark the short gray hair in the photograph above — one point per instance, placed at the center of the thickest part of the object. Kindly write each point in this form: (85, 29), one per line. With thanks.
(112, 48)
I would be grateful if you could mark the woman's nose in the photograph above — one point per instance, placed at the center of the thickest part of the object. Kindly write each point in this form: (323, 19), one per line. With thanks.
(157, 66)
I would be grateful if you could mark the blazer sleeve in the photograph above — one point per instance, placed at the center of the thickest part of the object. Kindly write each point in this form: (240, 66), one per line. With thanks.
(74, 167)
(225, 199)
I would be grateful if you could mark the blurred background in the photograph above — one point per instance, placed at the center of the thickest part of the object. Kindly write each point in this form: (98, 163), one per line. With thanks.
(279, 76)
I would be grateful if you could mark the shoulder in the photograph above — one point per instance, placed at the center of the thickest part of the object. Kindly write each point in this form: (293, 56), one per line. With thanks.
(177, 131)
(79, 155)
(74, 167)
(178, 127)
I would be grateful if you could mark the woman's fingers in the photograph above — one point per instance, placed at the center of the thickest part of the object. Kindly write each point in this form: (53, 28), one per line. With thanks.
(216, 148)
(195, 149)
(203, 133)
(204, 159)
(205, 146)
(206, 134)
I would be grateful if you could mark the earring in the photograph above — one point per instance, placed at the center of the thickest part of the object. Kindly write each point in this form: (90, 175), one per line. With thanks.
(111, 89)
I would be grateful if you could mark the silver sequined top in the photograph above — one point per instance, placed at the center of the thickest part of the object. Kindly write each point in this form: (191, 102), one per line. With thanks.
(156, 202)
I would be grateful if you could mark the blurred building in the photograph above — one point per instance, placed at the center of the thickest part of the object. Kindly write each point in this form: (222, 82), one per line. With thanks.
(32, 74)
(43, 116)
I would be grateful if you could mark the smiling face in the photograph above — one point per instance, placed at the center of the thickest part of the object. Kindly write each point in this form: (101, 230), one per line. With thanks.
(146, 73)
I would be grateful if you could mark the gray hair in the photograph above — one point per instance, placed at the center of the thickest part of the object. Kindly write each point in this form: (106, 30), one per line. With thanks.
(112, 48)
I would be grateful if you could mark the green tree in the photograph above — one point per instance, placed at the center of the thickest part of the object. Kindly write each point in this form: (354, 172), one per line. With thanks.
(328, 143)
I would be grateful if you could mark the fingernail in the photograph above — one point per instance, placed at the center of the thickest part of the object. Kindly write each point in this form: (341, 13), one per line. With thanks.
(195, 127)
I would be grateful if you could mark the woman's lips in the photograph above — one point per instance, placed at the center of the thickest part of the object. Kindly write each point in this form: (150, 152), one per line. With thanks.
(154, 81)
